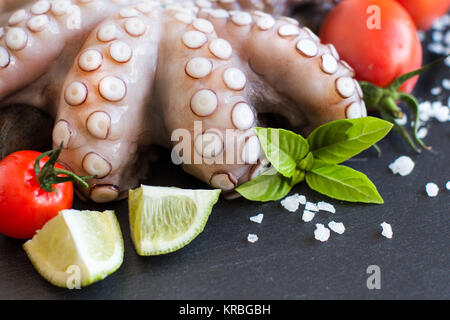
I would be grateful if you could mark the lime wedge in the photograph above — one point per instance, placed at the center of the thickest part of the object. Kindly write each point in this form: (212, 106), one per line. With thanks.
(77, 248)
(164, 219)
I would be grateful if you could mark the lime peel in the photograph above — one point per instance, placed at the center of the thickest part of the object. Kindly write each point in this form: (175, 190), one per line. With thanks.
(165, 219)
(89, 242)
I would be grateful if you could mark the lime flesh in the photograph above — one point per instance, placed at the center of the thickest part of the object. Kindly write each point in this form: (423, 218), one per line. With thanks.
(164, 219)
(77, 247)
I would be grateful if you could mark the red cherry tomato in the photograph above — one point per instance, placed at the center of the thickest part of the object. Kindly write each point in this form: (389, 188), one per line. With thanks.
(424, 12)
(378, 55)
(24, 206)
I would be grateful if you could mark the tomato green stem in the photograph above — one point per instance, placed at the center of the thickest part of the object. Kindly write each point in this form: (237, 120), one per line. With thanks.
(385, 101)
(48, 175)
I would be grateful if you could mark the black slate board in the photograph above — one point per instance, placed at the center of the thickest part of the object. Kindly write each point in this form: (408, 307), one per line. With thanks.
(287, 262)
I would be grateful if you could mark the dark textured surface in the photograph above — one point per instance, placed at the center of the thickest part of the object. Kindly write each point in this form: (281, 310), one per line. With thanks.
(286, 262)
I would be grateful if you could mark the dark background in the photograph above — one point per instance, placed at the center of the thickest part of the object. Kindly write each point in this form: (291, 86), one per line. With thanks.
(287, 262)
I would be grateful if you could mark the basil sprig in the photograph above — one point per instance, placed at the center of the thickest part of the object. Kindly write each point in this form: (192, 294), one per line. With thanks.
(317, 159)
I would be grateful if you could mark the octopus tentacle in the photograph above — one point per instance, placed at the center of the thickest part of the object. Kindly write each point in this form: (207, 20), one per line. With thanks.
(37, 34)
(103, 112)
(209, 94)
(309, 84)
(169, 72)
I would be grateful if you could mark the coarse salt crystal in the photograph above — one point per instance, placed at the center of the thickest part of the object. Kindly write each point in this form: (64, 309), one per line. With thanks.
(252, 238)
(446, 84)
(258, 218)
(301, 198)
(325, 206)
(432, 189)
(308, 215)
(422, 132)
(291, 203)
(436, 91)
(447, 185)
(442, 114)
(447, 37)
(402, 165)
(402, 121)
(311, 206)
(321, 233)
(447, 61)
(337, 227)
(436, 48)
(437, 36)
(387, 230)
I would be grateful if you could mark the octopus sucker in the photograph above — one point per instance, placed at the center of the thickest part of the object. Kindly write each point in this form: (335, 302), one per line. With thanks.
(139, 73)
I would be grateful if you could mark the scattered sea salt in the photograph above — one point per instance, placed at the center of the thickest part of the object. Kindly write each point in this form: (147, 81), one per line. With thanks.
(321, 233)
(291, 203)
(337, 227)
(422, 132)
(258, 218)
(446, 83)
(402, 121)
(432, 189)
(436, 48)
(442, 114)
(311, 206)
(436, 91)
(308, 215)
(402, 165)
(437, 36)
(447, 38)
(387, 230)
(325, 206)
(252, 238)
(447, 61)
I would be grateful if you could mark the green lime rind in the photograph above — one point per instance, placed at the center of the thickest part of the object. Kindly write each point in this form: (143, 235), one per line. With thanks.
(165, 219)
(77, 248)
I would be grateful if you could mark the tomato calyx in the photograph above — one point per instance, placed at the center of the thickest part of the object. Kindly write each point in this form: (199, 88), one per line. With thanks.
(48, 175)
(385, 101)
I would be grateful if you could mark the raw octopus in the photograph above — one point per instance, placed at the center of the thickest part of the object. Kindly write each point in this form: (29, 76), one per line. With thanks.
(117, 75)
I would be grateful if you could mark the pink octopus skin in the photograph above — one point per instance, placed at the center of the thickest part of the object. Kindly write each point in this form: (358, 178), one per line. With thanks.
(134, 72)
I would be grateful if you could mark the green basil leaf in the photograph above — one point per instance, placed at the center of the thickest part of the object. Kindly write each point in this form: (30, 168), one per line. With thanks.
(340, 140)
(266, 187)
(283, 148)
(342, 183)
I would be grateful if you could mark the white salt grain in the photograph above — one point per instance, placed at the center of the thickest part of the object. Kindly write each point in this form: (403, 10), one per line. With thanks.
(442, 114)
(402, 121)
(301, 198)
(422, 132)
(258, 218)
(425, 111)
(436, 91)
(337, 227)
(437, 36)
(308, 215)
(446, 83)
(447, 61)
(432, 189)
(436, 48)
(291, 203)
(325, 206)
(387, 230)
(252, 238)
(447, 185)
(321, 233)
(311, 206)
(402, 165)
